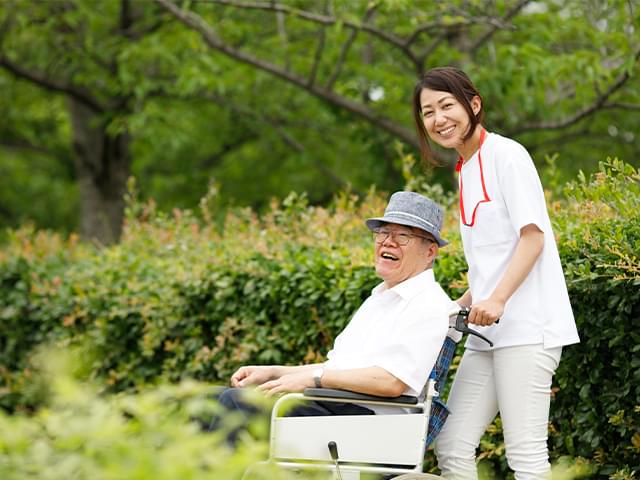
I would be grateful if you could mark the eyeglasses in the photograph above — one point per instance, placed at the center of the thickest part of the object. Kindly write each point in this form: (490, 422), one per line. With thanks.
(400, 238)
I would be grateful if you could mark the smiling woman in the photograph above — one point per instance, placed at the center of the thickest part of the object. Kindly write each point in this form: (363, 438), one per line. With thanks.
(514, 275)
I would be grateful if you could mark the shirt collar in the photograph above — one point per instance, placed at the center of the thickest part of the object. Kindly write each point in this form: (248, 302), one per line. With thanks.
(410, 287)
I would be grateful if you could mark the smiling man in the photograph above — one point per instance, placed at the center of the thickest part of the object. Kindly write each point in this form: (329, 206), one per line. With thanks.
(393, 340)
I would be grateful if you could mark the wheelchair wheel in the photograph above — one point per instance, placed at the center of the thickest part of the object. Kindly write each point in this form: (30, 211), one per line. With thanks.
(418, 476)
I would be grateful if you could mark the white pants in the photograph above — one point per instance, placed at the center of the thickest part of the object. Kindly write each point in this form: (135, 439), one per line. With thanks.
(515, 381)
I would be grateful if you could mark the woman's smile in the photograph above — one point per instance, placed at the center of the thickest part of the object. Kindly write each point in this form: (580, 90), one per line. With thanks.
(446, 132)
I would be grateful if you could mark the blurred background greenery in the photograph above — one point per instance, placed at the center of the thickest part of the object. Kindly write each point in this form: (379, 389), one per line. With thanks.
(258, 99)
(259, 135)
(195, 295)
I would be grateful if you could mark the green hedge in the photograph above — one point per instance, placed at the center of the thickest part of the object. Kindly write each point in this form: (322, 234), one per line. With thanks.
(179, 298)
(597, 408)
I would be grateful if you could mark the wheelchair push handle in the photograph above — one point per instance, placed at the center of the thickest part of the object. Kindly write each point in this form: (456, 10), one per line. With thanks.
(462, 327)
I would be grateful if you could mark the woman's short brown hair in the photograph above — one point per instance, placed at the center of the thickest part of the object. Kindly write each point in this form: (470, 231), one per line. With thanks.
(451, 80)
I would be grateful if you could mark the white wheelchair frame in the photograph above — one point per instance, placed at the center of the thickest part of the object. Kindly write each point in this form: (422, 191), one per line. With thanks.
(349, 445)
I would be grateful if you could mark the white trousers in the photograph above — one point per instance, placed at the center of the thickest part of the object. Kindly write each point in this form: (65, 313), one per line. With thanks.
(515, 381)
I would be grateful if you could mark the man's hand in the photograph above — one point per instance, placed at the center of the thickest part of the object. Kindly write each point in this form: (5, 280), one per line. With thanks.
(291, 382)
(486, 312)
(253, 375)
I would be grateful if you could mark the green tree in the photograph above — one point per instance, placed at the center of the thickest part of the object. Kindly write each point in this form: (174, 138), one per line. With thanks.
(535, 61)
(72, 49)
(261, 98)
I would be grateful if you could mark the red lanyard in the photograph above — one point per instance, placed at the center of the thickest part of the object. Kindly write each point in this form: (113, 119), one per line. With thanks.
(484, 188)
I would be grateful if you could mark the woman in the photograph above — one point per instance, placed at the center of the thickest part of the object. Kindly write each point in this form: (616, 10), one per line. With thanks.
(514, 276)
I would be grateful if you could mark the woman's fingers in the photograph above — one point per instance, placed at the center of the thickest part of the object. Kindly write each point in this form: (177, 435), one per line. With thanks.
(485, 313)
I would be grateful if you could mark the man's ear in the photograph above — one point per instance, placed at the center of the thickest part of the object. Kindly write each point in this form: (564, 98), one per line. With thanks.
(432, 250)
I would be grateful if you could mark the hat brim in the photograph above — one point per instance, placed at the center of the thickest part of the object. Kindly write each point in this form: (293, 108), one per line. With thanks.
(375, 223)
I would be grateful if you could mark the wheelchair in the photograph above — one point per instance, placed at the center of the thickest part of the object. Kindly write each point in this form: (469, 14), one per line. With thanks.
(346, 446)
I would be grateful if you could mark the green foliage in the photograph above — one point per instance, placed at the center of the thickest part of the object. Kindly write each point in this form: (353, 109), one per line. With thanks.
(196, 116)
(148, 436)
(179, 297)
(599, 379)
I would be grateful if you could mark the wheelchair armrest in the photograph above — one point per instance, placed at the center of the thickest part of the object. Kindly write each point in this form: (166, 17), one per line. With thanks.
(351, 396)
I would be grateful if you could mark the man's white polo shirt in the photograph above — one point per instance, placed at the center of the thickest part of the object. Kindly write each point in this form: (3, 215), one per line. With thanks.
(399, 329)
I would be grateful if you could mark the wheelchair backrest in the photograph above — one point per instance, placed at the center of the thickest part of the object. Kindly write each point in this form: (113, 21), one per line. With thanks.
(439, 411)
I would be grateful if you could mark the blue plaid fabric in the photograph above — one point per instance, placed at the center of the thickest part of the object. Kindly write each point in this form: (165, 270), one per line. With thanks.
(439, 411)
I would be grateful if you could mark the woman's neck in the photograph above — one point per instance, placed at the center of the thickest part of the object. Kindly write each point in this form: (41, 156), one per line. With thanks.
(469, 147)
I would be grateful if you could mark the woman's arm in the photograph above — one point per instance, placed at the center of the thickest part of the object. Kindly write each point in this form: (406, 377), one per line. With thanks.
(465, 300)
(524, 258)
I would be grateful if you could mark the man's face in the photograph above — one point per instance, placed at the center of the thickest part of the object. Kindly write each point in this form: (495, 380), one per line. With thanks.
(395, 262)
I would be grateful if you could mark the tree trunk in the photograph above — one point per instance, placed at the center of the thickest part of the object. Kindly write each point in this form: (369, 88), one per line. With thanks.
(102, 165)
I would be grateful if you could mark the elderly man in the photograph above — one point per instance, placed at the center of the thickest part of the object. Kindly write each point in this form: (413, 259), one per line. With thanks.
(392, 342)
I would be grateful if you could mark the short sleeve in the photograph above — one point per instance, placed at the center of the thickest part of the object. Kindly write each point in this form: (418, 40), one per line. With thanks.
(413, 348)
(521, 188)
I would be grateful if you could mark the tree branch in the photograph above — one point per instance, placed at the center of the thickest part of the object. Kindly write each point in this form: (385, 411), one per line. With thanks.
(497, 26)
(286, 137)
(346, 46)
(226, 148)
(559, 140)
(276, 124)
(586, 138)
(422, 57)
(425, 27)
(457, 27)
(47, 83)
(621, 106)
(284, 38)
(197, 23)
(317, 58)
(25, 145)
(389, 38)
(463, 24)
(298, 147)
(598, 104)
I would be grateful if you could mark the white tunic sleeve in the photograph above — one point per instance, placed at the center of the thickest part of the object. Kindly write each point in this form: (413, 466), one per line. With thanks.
(521, 188)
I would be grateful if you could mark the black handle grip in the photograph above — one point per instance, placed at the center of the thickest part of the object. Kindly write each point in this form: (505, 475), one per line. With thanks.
(461, 325)
(333, 450)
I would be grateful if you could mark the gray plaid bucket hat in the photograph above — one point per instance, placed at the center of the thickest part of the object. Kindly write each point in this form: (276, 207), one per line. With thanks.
(412, 210)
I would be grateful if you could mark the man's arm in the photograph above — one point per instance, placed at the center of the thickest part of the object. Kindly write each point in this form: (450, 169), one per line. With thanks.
(368, 380)
(259, 374)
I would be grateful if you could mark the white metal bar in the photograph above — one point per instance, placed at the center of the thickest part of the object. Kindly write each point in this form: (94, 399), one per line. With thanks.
(345, 468)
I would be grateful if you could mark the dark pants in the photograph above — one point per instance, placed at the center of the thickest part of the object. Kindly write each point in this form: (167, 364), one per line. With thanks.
(231, 399)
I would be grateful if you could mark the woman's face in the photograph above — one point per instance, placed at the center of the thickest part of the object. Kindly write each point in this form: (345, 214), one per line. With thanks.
(445, 118)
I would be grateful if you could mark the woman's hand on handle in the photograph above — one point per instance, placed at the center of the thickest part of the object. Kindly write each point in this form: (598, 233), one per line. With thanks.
(486, 312)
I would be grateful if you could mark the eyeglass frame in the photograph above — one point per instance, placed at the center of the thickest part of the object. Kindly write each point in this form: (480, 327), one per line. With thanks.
(394, 235)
